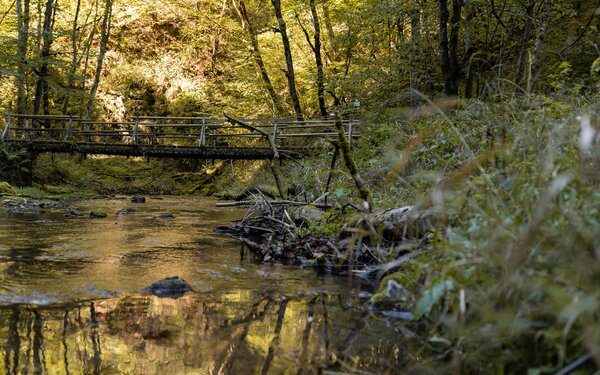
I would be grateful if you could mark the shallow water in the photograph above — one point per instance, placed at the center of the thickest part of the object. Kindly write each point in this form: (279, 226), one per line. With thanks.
(70, 300)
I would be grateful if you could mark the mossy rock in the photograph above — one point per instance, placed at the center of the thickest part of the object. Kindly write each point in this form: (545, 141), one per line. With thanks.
(392, 290)
(6, 188)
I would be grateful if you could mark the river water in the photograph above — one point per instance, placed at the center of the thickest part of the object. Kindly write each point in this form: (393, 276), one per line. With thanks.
(70, 300)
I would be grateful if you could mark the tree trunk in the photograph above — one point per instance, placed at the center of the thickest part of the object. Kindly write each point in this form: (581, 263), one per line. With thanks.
(73, 71)
(415, 36)
(105, 34)
(444, 50)
(469, 50)
(291, 76)
(319, 59)
(330, 34)
(23, 35)
(530, 9)
(86, 53)
(454, 36)
(257, 56)
(539, 42)
(41, 90)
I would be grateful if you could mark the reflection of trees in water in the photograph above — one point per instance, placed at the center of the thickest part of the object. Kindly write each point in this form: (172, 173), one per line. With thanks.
(13, 343)
(241, 333)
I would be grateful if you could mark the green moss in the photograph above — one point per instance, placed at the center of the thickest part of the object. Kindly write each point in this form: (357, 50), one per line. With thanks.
(6, 188)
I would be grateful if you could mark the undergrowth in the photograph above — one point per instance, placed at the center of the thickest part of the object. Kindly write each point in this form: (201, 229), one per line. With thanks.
(511, 286)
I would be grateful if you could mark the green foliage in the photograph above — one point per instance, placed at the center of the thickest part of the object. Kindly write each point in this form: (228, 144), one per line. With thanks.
(15, 165)
(432, 296)
(30, 191)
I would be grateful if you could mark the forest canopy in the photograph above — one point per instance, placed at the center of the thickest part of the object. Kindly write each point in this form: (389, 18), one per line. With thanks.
(261, 58)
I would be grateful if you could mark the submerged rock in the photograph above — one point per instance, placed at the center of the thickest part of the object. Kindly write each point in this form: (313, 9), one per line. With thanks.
(166, 215)
(99, 213)
(73, 212)
(171, 287)
(124, 211)
(138, 199)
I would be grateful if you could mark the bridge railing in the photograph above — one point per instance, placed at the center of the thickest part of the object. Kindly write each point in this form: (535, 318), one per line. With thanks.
(173, 131)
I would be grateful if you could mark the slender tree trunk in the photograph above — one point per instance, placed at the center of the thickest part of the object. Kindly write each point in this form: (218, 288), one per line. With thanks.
(23, 35)
(454, 36)
(415, 36)
(291, 76)
(331, 44)
(530, 10)
(539, 42)
(319, 59)
(216, 40)
(444, 50)
(449, 49)
(73, 71)
(257, 56)
(469, 50)
(86, 53)
(41, 90)
(105, 34)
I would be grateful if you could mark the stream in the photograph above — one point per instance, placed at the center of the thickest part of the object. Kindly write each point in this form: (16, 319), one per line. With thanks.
(70, 300)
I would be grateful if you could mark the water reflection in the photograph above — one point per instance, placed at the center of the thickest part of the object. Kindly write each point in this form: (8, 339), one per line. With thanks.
(243, 318)
(238, 333)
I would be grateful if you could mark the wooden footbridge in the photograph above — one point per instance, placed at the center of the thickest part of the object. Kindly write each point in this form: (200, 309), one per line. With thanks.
(173, 137)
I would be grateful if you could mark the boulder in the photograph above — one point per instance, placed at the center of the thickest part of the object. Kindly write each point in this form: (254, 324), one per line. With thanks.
(138, 199)
(171, 287)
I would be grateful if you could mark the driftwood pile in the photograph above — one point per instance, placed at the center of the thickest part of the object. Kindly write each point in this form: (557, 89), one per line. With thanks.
(273, 231)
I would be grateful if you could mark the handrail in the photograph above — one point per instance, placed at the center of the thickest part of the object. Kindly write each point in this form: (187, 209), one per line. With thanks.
(171, 131)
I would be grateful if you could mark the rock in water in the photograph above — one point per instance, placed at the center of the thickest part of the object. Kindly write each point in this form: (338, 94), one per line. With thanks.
(138, 199)
(171, 287)
(124, 211)
(166, 215)
(99, 213)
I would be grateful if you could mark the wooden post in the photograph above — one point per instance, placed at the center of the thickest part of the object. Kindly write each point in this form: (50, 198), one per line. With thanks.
(69, 132)
(350, 133)
(275, 132)
(202, 141)
(6, 132)
(135, 130)
(27, 134)
(86, 128)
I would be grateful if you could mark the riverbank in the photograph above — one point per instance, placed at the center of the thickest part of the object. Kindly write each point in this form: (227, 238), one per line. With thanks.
(511, 263)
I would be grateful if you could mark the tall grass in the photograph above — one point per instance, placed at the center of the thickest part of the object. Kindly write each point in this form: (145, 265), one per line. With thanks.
(519, 265)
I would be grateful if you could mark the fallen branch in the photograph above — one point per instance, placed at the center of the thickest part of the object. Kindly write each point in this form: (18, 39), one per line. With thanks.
(271, 143)
(364, 191)
(273, 203)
